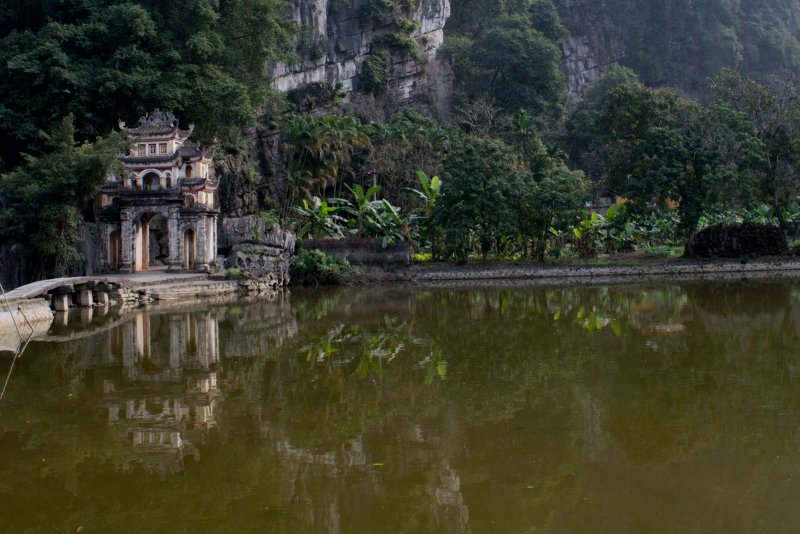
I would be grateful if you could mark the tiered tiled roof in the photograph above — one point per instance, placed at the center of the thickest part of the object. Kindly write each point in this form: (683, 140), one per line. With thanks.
(157, 124)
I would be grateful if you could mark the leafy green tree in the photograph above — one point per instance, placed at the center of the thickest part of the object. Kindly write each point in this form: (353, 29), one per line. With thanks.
(556, 202)
(429, 195)
(666, 147)
(318, 219)
(408, 142)
(520, 67)
(44, 199)
(484, 189)
(774, 112)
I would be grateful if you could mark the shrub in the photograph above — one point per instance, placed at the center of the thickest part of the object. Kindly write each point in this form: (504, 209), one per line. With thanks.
(314, 267)
(233, 272)
(408, 26)
(373, 73)
(398, 43)
(375, 10)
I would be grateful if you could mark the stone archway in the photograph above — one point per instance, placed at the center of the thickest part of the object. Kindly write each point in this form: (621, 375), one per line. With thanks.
(189, 249)
(114, 249)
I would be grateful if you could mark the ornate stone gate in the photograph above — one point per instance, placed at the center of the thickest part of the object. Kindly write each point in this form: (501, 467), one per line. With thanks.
(167, 176)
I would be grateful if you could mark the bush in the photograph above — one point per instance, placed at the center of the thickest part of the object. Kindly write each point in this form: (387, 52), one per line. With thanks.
(314, 267)
(233, 272)
(375, 10)
(399, 43)
(373, 74)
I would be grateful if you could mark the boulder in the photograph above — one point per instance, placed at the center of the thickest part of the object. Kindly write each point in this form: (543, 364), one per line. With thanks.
(736, 240)
(253, 230)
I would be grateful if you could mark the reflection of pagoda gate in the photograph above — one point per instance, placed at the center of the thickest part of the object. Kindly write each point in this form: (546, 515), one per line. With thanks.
(157, 353)
(193, 344)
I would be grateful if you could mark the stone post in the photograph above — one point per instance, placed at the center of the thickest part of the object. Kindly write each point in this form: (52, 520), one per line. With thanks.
(173, 228)
(126, 237)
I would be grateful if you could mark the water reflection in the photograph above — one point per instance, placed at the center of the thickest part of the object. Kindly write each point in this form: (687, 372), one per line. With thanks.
(657, 409)
(178, 353)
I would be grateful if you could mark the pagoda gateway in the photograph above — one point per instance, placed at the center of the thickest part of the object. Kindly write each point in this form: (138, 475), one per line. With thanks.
(163, 211)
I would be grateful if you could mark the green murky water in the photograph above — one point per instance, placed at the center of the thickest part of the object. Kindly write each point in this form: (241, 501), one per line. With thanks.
(621, 409)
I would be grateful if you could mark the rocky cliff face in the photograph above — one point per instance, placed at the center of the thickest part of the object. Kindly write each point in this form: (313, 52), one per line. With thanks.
(336, 38)
(587, 56)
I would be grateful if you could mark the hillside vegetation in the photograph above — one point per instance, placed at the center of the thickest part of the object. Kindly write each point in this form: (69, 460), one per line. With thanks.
(700, 123)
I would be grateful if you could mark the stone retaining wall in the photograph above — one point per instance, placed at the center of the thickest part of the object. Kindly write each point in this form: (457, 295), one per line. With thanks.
(362, 251)
(570, 274)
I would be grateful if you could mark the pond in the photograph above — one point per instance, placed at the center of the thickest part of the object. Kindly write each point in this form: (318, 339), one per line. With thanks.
(646, 408)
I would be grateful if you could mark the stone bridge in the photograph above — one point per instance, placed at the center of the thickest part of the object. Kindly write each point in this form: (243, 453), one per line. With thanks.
(87, 291)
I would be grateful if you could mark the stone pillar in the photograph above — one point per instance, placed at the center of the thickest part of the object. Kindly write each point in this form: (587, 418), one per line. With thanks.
(101, 298)
(202, 340)
(87, 314)
(213, 340)
(173, 228)
(61, 302)
(126, 236)
(85, 298)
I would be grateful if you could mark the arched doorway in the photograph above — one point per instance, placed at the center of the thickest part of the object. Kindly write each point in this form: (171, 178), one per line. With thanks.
(152, 182)
(151, 242)
(141, 243)
(189, 249)
(114, 250)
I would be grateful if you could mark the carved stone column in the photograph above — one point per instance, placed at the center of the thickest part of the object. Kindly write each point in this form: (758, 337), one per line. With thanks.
(202, 244)
(175, 253)
(126, 236)
(213, 248)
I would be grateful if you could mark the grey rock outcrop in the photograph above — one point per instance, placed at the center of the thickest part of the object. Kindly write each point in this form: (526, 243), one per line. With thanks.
(586, 59)
(260, 249)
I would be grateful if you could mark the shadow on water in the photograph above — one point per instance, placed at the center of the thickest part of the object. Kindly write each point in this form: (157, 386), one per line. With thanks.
(670, 408)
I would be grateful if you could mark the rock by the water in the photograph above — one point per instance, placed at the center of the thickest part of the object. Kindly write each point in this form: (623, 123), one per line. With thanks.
(736, 240)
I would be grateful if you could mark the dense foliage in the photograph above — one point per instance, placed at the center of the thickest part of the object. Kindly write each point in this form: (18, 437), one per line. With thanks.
(510, 174)
(97, 61)
(44, 198)
(507, 53)
(104, 60)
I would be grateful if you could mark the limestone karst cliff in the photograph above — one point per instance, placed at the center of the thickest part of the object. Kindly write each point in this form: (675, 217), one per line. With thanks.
(336, 37)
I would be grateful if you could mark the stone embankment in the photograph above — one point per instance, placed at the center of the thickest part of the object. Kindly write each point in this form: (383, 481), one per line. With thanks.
(539, 274)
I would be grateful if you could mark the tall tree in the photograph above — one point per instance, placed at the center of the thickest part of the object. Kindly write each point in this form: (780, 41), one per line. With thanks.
(774, 111)
(42, 201)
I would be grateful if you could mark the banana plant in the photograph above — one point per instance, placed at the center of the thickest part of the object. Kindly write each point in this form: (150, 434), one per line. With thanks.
(318, 219)
(363, 205)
